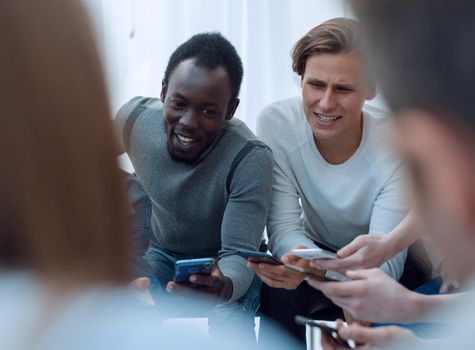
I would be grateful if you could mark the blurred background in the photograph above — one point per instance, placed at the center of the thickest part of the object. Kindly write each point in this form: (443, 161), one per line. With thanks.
(136, 38)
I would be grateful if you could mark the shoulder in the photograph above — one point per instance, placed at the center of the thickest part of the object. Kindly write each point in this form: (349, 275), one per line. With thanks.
(280, 114)
(137, 102)
(379, 149)
(282, 125)
(378, 127)
(128, 114)
(248, 144)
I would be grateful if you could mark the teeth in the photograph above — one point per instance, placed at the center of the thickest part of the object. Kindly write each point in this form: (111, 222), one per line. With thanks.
(326, 119)
(184, 139)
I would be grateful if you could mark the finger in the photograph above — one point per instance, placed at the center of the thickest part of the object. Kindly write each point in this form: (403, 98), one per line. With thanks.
(179, 288)
(209, 281)
(216, 272)
(289, 259)
(455, 284)
(340, 323)
(141, 283)
(327, 342)
(273, 270)
(331, 290)
(273, 283)
(444, 288)
(281, 276)
(363, 274)
(264, 273)
(353, 289)
(190, 291)
(253, 266)
(364, 335)
(315, 283)
(274, 276)
(351, 248)
(335, 264)
(261, 269)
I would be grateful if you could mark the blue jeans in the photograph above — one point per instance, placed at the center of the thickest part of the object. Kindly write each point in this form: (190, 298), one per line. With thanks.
(233, 320)
(140, 210)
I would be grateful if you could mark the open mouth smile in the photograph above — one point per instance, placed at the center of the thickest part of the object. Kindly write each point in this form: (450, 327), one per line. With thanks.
(184, 140)
(326, 119)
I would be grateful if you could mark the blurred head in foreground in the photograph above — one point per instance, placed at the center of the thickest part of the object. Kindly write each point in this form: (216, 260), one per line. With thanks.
(62, 207)
(425, 58)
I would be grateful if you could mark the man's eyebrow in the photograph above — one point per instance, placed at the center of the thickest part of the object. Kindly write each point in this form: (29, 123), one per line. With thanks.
(345, 86)
(316, 81)
(176, 94)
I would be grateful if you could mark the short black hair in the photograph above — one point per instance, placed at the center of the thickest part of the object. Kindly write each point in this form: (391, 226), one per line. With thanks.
(210, 50)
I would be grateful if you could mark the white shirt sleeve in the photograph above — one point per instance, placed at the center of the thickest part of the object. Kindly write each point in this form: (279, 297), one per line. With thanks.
(388, 211)
(284, 225)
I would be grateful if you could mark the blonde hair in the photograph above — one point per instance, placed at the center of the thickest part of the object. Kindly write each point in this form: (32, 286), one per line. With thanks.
(60, 178)
(337, 35)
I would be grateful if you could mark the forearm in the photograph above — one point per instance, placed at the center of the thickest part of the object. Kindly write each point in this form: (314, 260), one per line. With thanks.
(394, 267)
(234, 268)
(422, 304)
(402, 236)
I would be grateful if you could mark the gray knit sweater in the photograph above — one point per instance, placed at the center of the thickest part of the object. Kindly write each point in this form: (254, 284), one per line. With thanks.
(219, 202)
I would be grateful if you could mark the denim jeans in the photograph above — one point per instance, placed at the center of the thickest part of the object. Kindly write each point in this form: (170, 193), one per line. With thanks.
(140, 210)
(232, 321)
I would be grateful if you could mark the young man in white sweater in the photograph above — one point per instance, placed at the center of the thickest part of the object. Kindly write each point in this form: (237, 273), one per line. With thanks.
(335, 176)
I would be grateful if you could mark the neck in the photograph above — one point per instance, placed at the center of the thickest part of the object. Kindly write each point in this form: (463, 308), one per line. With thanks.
(340, 149)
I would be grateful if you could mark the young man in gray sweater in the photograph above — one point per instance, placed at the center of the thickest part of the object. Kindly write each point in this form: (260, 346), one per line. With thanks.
(208, 177)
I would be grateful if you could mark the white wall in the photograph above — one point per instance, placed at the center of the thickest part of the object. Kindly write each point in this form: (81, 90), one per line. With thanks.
(136, 38)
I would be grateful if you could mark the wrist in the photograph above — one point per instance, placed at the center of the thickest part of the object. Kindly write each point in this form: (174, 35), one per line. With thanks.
(417, 305)
(391, 245)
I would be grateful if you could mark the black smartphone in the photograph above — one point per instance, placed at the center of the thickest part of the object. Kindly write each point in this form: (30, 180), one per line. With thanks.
(258, 257)
(331, 331)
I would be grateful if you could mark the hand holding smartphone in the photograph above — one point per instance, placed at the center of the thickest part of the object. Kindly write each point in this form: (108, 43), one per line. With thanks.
(331, 331)
(258, 257)
(313, 253)
(185, 268)
(307, 273)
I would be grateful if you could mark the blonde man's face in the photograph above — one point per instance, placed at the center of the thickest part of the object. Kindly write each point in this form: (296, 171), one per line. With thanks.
(334, 89)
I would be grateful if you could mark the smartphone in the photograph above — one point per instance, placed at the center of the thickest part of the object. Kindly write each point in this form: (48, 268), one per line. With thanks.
(185, 268)
(307, 273)
(313, 253)
(336, 276)
(331, 331)
(258, 257)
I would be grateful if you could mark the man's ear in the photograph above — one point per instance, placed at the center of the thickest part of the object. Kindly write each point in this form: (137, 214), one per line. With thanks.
(163, 93)
(232, 106)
